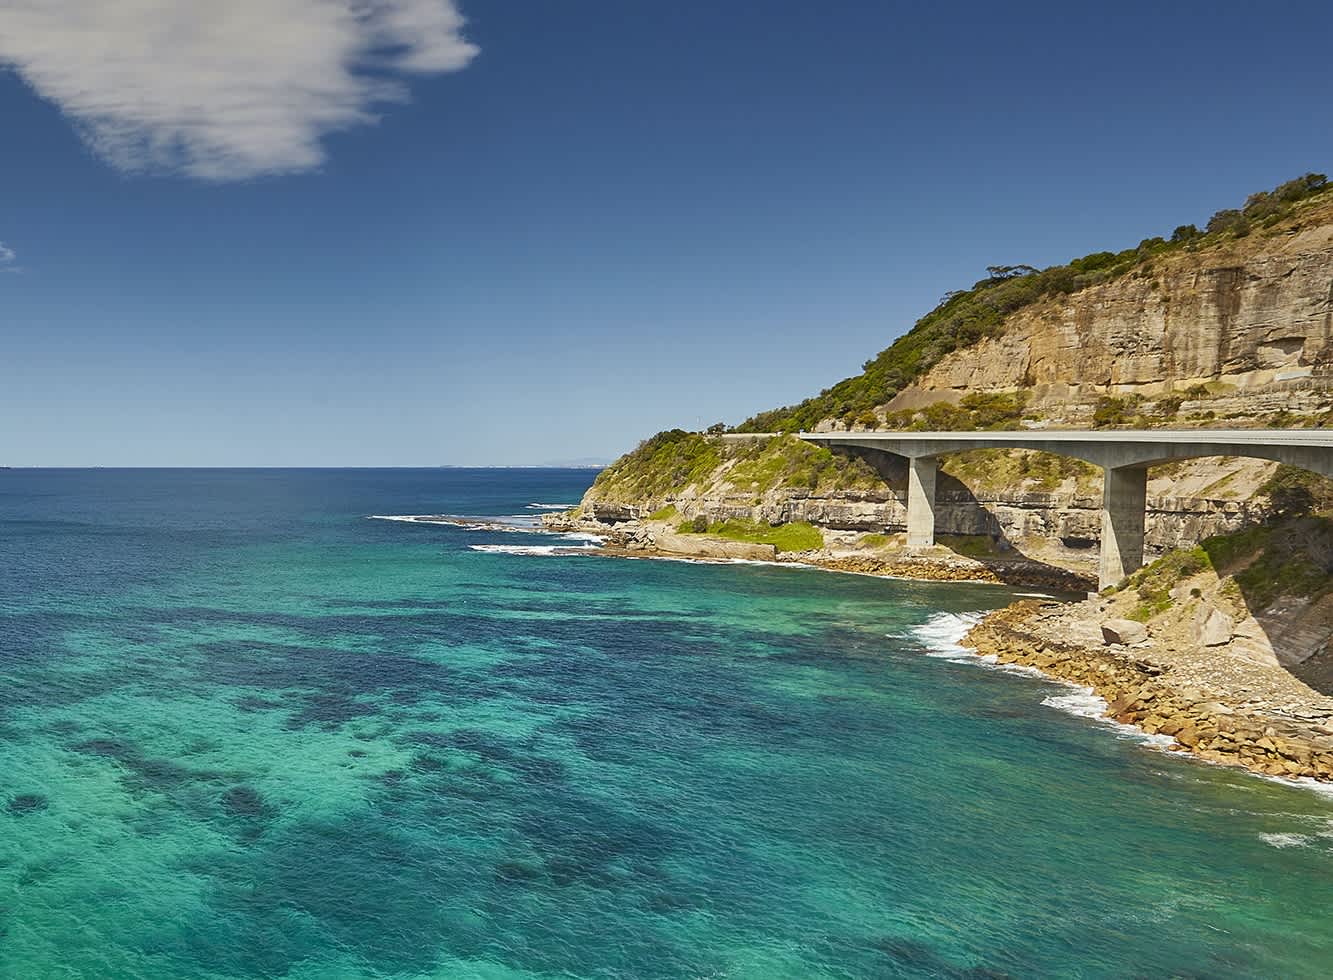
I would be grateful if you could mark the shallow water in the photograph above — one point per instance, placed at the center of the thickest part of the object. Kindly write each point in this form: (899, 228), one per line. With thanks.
(245, 731)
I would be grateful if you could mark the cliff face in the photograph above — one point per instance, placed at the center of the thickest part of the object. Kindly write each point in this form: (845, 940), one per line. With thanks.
(1252, 319)
(1022, 499)
(1235, 332)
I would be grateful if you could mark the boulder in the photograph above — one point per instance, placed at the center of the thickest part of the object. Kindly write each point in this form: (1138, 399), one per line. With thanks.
(1123, 631)
(1213, 627)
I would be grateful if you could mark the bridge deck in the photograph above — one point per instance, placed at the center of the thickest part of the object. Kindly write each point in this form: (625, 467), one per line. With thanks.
(1123, 454)
(1037, 437)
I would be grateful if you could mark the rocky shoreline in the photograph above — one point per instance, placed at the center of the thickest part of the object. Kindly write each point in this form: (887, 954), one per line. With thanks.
(1231, 713)
(643, 539)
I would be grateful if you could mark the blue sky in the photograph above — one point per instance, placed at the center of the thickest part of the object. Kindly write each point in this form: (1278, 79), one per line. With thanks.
(527, 231)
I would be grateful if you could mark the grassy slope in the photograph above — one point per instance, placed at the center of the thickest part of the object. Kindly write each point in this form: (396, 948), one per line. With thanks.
(673, 462)
(1257, 566)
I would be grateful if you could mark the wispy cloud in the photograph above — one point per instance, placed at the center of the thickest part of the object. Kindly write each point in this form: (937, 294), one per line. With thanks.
(225, 89)
(8, 258)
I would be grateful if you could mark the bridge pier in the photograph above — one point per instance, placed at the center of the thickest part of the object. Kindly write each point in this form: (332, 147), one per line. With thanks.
(1124, 506)
(921, 471)
(1123, 455)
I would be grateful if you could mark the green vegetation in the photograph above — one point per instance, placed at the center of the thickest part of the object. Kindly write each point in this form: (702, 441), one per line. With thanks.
(969, 545)
(1133, 411)
(977, 410)
(1287, 558)
(1294, 492)
(874, 540)
(669, 461)
(1290, 558)
(1111, 412)
(1154, 583)
(788, 462)
(1018, 468)
(965, 317)
(796, 536)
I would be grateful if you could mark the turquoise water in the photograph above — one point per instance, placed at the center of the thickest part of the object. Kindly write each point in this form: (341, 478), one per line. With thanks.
(247, 732)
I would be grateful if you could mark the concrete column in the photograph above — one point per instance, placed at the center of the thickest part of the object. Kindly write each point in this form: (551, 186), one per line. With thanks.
(1124, 500)
(921, 502)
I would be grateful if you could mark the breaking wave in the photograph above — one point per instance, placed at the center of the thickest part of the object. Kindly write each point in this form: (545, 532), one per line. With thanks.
(942, 634)
(544, 550)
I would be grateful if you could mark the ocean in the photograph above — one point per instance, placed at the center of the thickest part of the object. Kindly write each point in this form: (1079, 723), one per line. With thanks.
(249, 730)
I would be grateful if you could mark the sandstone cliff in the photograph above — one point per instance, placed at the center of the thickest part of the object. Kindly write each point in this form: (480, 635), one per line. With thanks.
(1232, 327)
(1250, 321)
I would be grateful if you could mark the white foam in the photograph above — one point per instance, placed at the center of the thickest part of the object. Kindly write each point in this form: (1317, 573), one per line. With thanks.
(943, 632)
(550, 506)
(942, 637)
(507, 524)
(1084, 702)
(582, 536)
(1304, 782)
(1286, 840)
(544, 550)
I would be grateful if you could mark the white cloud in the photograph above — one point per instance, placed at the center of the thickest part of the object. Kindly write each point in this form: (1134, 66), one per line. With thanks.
(6, 254)
(225, 89)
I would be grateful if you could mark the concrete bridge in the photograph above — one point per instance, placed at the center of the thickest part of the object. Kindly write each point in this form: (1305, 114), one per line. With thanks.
(1123, 455)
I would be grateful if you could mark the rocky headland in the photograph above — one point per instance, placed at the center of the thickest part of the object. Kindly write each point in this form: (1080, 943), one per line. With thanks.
(1222, 642)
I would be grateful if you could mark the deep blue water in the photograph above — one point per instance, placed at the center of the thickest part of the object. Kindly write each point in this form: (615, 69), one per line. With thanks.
(246, 731)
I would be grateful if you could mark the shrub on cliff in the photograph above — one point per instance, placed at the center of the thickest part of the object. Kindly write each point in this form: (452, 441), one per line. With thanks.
(976, 410)
(787, 462)
(668, 461)
(1112, 412)
(1294, 492)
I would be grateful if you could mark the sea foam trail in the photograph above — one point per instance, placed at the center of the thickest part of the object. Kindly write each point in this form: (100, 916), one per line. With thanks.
(582, 536)
(942, 637)
(530, 550)
(508, 524)
(543, 550)
(550, 506)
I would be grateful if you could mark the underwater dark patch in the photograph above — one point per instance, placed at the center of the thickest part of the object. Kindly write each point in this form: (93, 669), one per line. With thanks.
(27, 803)
(244, 801)
(143, 772)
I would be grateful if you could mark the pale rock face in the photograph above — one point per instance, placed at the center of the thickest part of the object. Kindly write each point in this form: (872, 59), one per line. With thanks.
(1015, 516)
(1213, 627)
(1256, 314)
(1126, 632)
